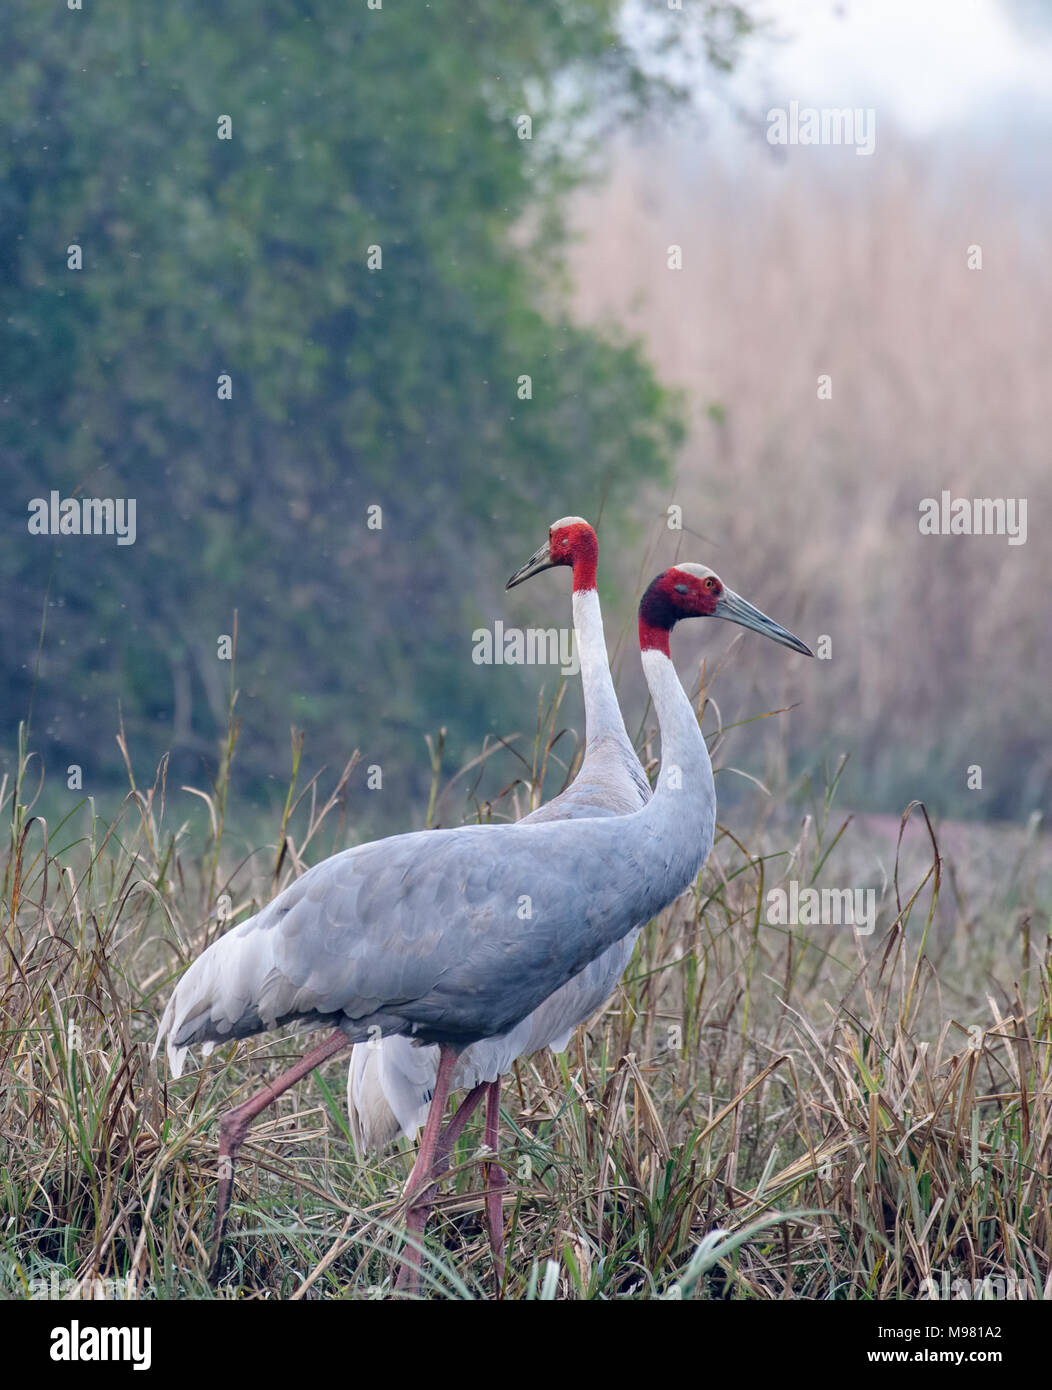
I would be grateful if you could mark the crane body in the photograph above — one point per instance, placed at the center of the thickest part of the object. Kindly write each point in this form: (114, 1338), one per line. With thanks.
(390, 1080)
(454, 936)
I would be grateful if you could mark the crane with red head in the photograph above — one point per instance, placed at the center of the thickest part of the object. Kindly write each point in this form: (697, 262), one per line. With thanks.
(422, 935)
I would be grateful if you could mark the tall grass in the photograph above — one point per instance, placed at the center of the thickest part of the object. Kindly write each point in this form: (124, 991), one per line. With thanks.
(823, 263)
(759, 1112)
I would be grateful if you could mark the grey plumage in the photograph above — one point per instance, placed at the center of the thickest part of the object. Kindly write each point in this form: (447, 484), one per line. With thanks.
(445, 935)
(459, 935)
(389, 1080)
(455, 935)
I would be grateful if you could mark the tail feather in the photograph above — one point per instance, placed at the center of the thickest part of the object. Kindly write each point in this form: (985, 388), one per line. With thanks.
(390, 1082)
(388, 1091)
(213, 1000)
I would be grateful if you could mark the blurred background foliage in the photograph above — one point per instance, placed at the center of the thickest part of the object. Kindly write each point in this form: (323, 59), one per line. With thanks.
(397, 387)
(351, 386)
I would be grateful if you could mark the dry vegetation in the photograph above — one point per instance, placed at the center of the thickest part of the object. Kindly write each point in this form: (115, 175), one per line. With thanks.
(759, 1113)
(830, 263)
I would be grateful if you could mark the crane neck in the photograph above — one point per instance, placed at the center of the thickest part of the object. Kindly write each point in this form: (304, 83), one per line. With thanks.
(603, 718)
(686, 771)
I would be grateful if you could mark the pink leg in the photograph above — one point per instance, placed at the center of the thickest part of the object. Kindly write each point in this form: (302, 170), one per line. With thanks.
(496, 1180)
(418, 1186)
(234, 1126)
(452, 1131)
(424, 1205)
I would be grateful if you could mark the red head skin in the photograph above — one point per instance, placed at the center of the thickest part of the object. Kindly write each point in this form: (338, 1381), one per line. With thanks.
(673, 595)
(575, 544)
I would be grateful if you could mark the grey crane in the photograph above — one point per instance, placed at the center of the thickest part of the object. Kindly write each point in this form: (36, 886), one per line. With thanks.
(453, 936)
(390, 1080)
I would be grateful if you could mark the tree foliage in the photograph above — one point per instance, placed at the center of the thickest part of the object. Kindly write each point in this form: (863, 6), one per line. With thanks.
(352, 386)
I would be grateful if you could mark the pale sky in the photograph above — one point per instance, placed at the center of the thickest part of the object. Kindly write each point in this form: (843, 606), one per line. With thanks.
(927, 64)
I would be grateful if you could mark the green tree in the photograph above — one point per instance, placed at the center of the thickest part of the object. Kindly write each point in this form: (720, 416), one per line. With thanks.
(352, 385)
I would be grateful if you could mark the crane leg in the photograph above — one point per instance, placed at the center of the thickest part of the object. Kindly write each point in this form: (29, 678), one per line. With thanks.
(417, 1190)
(496, 1180)
(448, 1137)
(234, 1126)
(420, 1212)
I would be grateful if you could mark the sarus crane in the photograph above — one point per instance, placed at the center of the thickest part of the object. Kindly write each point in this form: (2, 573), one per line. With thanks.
(454, 936)
(390, 1080)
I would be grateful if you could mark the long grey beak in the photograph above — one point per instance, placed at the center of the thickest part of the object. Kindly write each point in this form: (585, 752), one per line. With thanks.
(736, 610)
(541, 559)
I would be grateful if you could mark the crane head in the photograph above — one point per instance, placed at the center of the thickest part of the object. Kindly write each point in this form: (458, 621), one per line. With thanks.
(695, 591)
(571, 541)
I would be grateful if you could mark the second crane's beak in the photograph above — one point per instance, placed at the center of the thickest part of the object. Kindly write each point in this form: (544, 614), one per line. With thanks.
(736, 610)
(540, 560)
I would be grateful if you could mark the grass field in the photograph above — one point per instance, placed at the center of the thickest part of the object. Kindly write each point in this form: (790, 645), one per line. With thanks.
(761, 1112)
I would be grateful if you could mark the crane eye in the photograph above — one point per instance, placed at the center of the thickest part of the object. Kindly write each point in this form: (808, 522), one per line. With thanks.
(681, 589)
(710, 583)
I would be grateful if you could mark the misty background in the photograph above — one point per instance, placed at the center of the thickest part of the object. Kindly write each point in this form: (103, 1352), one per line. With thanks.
(355, 387)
